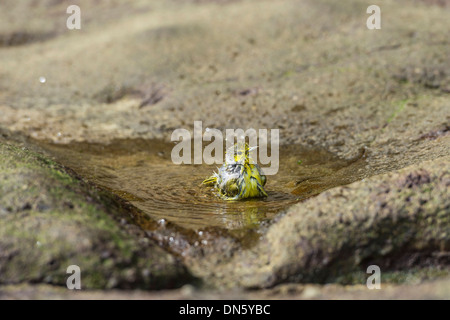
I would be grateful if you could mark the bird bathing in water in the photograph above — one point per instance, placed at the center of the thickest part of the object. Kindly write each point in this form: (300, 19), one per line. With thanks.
(238, 178)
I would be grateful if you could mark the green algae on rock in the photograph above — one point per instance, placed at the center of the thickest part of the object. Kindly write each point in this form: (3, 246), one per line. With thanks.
(50, 220)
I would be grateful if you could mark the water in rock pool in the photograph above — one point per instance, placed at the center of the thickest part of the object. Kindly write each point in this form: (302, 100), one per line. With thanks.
(141, 172)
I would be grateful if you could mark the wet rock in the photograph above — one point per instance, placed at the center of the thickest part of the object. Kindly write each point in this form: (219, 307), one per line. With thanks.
(50, 220)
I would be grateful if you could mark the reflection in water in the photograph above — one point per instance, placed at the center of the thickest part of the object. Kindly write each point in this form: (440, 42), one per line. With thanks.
(142, 172)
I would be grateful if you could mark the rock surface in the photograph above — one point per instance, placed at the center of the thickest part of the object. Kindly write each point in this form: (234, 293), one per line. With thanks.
(50, 221)
(430, 290)
(140, 69)
(397, 221)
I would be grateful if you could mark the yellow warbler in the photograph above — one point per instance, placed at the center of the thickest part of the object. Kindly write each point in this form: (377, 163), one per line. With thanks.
(238, 178)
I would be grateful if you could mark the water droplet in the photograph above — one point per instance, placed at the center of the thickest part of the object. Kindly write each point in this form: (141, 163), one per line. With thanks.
(42, 80)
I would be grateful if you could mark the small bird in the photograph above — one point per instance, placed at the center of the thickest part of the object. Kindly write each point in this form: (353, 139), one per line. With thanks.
(238, 178)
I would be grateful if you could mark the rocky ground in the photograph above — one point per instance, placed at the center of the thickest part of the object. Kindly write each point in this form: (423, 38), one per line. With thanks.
(140, 69)
(51, 220)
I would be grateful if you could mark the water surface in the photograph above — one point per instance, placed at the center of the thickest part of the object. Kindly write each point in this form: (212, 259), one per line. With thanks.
(141, 172)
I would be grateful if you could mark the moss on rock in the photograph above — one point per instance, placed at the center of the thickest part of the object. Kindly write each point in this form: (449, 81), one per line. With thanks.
(50, 220)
